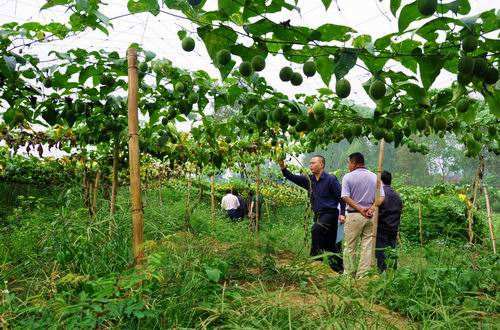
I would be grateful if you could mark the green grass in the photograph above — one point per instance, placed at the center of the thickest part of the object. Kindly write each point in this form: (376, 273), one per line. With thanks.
(59, 268)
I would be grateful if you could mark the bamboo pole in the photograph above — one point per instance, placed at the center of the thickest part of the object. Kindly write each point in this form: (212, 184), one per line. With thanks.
(187, 213)
(257, 188)
(490, 220)
(377, 197)
(114, 179)
(212, 196)
(95, 189)
(420, 224)
(476, 184)
(135, 175)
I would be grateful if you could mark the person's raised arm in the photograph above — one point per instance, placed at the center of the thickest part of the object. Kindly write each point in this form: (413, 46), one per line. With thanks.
(299, 180)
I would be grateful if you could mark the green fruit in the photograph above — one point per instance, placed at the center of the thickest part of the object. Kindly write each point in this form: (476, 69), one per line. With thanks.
(388, 123)
(296, 79)
(258, 63)
(223, 57)
(314, 35)
(343, 88)
(466, 65)
(185, 107)
(464, 79)
(193, 98)
(491, 76)
(301, 126)
(194, 2)
(188, 44)
(377, 90)
(319, 110)
(286, 73)
(18, 118)
(421, 124)
(492, 130)
(389, 137)
(309, 68)
(469, 44)
(480, 67)
(357, 130)
(245, 69)
(180, 87)
(407, 131)
(261, 117)
(427, 7)
(378, 133)
(278, 114)
(440, 123)
(417, 52)
(463, 105)
(143, 67)
(47, 82)
(347, 132)
(292, 120)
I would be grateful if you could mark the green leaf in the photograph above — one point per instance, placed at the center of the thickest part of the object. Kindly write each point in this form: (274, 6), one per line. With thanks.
(325, 66)
(247, 53)
(327, 3)
(140, 6)
(430, 67)
(217, 39)
(428, 30)
(331, 32)
(213, 274)
(344, 63)
(395, 4)
(461, 7)
(53, 3)
(229, 7)
(408, 14)
(493, 101)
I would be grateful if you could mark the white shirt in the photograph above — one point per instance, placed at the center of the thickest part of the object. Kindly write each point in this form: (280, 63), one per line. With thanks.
(230, 202)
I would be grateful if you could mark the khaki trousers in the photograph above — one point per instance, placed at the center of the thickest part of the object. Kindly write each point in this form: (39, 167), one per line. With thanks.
(357, 226)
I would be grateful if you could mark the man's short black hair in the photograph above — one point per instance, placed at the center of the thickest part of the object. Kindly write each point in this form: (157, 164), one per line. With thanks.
(320, 157)
(357, 158)
(229, 190)
(386, 178)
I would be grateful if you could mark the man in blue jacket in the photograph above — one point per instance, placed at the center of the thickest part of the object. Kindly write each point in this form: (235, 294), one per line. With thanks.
(324, 192)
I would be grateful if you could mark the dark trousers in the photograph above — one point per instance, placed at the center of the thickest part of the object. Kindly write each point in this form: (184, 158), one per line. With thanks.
(324, 235)
(386, 242)
(233, 214)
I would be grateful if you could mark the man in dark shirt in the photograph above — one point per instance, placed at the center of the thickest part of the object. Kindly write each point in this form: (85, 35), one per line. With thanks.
(324, 193)
(388, 223)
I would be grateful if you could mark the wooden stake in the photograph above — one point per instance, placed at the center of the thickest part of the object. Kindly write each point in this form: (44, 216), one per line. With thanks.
(476, 184)
(490, 221)
(114, 179)
(135, 174)
(212, 196)
(257, 188)
(377, 197)
(187, 214)
(94, 197)
(420, 224)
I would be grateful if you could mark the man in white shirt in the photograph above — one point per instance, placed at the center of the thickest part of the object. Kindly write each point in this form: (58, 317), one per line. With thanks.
(230, 204)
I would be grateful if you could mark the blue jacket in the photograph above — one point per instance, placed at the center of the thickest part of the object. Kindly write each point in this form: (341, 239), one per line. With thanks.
(324, 193)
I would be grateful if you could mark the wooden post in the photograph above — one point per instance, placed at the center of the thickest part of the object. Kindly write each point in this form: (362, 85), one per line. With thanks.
(377, 197)
(187, 214)
(114, 179)
(95, 189)
(490, 221)
(476, 184)
(420, 224)
(135, 174)
(257, 188)
(212, 196)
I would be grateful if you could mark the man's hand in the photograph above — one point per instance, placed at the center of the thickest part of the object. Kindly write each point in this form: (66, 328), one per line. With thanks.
(342, 218)
(281, 163)
(366, 212)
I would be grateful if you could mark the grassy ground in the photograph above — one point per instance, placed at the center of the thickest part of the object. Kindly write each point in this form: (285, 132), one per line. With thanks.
(58, 268)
